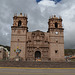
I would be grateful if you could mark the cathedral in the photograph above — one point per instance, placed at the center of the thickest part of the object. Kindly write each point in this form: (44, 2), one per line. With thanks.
(37, 45)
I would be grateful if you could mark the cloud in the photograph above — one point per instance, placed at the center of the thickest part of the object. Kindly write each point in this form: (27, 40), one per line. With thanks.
(66, 9)
(47, 3)
(38, 15)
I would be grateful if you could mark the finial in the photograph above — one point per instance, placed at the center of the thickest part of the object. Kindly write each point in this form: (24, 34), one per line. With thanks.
(15, 14)
(59, 17)
(24, 14)
(52, 16)
(21, 14)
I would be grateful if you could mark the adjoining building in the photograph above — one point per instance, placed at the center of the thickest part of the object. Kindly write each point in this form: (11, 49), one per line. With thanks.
(4, 53)
(37, 45)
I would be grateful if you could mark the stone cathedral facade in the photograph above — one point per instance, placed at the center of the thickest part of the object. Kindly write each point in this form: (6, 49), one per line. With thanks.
(37, 45)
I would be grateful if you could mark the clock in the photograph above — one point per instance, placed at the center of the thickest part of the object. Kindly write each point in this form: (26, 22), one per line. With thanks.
(56, 33)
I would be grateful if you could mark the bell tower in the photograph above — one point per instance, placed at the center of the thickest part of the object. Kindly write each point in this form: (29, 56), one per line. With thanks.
(18, 36)
(56, 38)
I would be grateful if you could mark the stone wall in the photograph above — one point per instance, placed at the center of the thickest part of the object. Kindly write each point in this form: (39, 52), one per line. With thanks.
(37, 64)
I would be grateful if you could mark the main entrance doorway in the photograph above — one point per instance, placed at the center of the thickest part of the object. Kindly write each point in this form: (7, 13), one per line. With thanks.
(38, 56)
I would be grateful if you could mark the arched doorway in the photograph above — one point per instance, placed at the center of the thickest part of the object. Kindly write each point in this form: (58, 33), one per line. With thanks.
(38, 56)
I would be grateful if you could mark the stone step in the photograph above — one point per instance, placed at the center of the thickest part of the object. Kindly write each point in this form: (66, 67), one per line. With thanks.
(37, 64)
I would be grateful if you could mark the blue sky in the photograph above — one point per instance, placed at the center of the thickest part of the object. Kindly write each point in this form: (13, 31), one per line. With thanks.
(52, 0)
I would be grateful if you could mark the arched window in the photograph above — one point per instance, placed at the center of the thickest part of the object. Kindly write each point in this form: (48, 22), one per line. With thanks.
(19, 23)
(18, 40)
(56, 25)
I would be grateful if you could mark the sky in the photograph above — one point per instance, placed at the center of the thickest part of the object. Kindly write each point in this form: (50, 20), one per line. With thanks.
(38, 14)
(52, 0)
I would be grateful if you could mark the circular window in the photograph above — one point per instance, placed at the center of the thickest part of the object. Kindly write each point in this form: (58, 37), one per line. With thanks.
(56, 33)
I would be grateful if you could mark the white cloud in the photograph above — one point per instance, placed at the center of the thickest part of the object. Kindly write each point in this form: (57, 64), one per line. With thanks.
(47, 3)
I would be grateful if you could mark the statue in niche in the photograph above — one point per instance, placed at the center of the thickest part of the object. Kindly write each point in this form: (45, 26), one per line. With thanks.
(17, 51)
